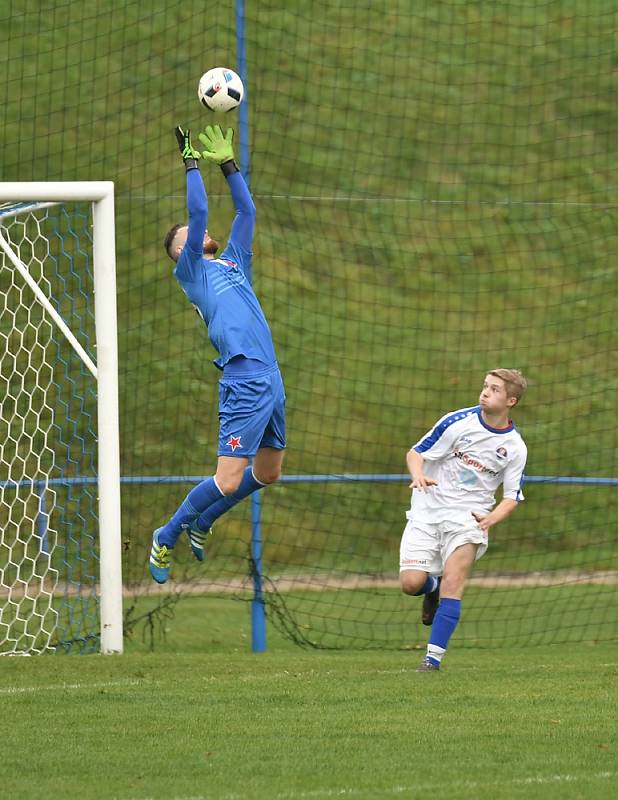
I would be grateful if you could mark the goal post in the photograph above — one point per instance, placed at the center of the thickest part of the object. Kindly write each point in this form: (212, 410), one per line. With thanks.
(20, 200)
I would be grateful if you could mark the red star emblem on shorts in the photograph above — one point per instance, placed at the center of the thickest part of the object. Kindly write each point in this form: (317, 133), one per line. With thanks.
(234, 442)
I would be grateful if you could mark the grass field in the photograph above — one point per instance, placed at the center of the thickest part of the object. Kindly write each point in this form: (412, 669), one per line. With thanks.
(204, 718)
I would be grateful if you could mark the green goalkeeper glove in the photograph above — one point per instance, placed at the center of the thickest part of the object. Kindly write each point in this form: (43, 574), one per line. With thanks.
(219, 148)
(189, 155)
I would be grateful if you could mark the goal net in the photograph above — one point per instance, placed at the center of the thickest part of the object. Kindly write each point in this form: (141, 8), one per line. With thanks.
(57, 365)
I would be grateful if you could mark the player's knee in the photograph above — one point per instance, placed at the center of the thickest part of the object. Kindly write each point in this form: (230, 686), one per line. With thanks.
(452, 586)
(271, 475)
(267, 469)
(412, 580)
(228, 483)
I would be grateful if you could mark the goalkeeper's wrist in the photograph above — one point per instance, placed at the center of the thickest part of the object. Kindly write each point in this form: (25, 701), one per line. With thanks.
(190, 163)
(229, 167)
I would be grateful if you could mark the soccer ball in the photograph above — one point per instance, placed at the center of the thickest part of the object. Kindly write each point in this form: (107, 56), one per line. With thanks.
(220, 89)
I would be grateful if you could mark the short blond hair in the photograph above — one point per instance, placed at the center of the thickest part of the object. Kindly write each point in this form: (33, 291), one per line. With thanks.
(514, 381)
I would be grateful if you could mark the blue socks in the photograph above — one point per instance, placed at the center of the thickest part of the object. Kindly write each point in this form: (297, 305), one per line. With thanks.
(444, 624)
(248, 485)
(430, 585)
(203, 505)
(200, 497)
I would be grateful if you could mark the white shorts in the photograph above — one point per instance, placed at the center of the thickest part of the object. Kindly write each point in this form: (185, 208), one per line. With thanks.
(427, 545)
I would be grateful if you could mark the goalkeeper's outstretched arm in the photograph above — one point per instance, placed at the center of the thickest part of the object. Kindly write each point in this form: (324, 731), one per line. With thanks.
(197, 205)
(244, 221)
(197, 201)
(219, 149)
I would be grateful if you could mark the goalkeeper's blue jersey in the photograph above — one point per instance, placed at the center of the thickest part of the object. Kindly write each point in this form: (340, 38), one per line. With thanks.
(220, 289)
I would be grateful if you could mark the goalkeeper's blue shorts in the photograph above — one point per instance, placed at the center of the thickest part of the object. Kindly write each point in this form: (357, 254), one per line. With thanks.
(251, 412)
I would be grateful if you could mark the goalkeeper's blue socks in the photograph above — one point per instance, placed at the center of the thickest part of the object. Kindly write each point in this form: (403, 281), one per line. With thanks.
(430, 585)
(248, 485)
(203, 505)
(200, 497)
(444, 624)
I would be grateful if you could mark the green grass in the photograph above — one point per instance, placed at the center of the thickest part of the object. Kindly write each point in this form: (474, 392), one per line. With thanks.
(204, 718)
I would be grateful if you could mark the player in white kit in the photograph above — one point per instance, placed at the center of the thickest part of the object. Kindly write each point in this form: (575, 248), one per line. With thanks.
(456, 469)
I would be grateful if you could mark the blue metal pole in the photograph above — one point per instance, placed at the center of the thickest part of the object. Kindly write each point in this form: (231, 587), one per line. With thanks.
(335, 478)
(243, 111)
(258, 615)
(42, 519)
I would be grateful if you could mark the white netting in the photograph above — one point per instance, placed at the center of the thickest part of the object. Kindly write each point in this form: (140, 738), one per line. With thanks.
(47, 515)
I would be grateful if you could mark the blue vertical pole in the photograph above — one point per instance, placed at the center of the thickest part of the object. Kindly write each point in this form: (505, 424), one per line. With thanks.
(258, 615)
(42, 519)
(243, 111)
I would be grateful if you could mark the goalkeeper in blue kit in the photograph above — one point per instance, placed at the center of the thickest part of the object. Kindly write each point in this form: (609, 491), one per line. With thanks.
(251, 393)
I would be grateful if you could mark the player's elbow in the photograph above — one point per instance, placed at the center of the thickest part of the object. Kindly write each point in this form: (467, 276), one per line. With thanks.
(249, 208)
(245, 214)
(198, 218)
(199, 208)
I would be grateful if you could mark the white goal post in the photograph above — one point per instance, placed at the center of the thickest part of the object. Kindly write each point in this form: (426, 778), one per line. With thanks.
(101, 195)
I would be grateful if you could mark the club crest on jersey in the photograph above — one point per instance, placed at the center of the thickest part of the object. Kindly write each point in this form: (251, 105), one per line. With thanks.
(234, 443)
(501, 452)
(228, 262)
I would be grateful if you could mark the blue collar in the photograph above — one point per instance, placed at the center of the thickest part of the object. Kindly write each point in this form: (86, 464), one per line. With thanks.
(508, 428)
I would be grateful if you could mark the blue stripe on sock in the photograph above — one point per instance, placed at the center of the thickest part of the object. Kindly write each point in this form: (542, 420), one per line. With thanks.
(430, 585)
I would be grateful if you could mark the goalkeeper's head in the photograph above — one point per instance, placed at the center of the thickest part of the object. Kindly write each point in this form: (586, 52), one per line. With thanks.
(177, 236)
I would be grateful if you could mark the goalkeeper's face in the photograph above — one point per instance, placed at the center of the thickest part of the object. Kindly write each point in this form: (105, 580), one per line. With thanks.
(210, 245)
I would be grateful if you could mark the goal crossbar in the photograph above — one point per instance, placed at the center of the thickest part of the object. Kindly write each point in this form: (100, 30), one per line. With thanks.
(56, 190)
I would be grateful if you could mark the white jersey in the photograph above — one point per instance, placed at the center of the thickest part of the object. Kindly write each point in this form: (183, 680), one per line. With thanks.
(469, 460)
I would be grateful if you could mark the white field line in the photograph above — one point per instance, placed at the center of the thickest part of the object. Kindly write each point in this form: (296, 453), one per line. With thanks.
(247, 678)
(434, 788)
(538, 780)
(64, 687)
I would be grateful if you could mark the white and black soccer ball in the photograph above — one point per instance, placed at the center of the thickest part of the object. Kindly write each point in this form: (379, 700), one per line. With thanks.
(220, 89)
